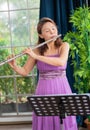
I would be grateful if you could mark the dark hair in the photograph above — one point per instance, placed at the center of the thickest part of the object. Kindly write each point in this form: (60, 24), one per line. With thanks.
(40, 24)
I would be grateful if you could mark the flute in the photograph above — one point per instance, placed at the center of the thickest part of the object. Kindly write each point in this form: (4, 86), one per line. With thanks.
(21, 54)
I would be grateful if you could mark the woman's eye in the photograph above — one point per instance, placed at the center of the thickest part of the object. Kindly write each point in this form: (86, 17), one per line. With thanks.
(47, 30)
(53, 28)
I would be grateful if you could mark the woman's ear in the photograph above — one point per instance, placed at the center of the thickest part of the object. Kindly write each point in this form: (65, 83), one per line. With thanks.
(40, 35)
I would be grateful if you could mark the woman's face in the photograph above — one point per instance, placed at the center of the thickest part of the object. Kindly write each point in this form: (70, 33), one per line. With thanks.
(49, 31)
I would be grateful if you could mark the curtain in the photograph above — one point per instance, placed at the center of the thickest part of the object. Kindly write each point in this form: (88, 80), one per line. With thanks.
(60, 11)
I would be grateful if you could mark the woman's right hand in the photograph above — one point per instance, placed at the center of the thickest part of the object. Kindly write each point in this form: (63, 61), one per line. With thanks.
(12, 63)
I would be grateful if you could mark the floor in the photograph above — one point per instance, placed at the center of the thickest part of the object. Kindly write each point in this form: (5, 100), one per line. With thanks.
(15, 127)
(21, 127)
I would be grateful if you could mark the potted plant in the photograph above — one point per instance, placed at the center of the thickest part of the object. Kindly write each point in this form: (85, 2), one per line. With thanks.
(79, 40)
(87, 122)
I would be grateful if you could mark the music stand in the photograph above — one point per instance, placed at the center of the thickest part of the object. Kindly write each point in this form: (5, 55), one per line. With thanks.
(60, 105)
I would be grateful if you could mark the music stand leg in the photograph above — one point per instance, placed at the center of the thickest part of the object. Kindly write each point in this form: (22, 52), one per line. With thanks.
(61, 127)
(61, 124)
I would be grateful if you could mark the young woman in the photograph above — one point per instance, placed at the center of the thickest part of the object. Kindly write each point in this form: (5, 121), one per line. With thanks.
(51, 61)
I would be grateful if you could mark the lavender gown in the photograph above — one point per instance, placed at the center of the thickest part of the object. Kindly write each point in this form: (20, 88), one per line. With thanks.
(52, 80)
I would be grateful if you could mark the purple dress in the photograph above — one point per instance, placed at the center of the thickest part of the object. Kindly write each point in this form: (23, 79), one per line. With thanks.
(52, 80)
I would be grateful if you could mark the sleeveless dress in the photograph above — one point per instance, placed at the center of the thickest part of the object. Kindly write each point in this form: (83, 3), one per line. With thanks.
(52, 80)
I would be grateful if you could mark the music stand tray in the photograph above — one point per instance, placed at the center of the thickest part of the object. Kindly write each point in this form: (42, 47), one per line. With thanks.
(60, 105)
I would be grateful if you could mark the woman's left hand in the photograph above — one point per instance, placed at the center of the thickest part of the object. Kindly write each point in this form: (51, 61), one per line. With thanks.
(30, 52)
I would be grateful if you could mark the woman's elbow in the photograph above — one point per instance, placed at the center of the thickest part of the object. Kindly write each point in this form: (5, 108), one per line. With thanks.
(24, 74)
(62, 63)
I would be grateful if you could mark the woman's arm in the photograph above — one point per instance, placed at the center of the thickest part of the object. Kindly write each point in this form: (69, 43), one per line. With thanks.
(59, 61)
(26, 69)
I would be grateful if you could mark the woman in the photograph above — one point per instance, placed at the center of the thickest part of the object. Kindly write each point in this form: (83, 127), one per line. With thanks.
(51, 61)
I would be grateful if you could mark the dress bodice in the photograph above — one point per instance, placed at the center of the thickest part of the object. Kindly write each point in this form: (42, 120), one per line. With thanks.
(46, 67)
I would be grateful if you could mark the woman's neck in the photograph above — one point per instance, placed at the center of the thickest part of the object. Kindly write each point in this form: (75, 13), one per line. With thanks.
(51, 46)
(52, 50)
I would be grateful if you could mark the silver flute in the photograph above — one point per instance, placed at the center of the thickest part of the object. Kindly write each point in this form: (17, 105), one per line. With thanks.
(21, 54)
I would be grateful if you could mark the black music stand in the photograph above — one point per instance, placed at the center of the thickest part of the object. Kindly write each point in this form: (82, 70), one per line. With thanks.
(60, 105)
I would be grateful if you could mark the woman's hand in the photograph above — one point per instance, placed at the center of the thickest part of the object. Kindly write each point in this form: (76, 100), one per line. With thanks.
(30, 52)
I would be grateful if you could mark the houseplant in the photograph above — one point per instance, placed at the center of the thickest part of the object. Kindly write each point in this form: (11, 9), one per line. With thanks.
(87, 122)
(79, 40)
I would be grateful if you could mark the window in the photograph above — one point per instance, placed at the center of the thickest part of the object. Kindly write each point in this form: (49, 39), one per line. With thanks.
(18, 21)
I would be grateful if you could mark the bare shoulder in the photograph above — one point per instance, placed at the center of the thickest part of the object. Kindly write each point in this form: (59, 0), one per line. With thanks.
(66, 45)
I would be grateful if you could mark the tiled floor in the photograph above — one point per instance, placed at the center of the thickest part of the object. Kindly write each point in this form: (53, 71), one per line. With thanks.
(21, 127)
